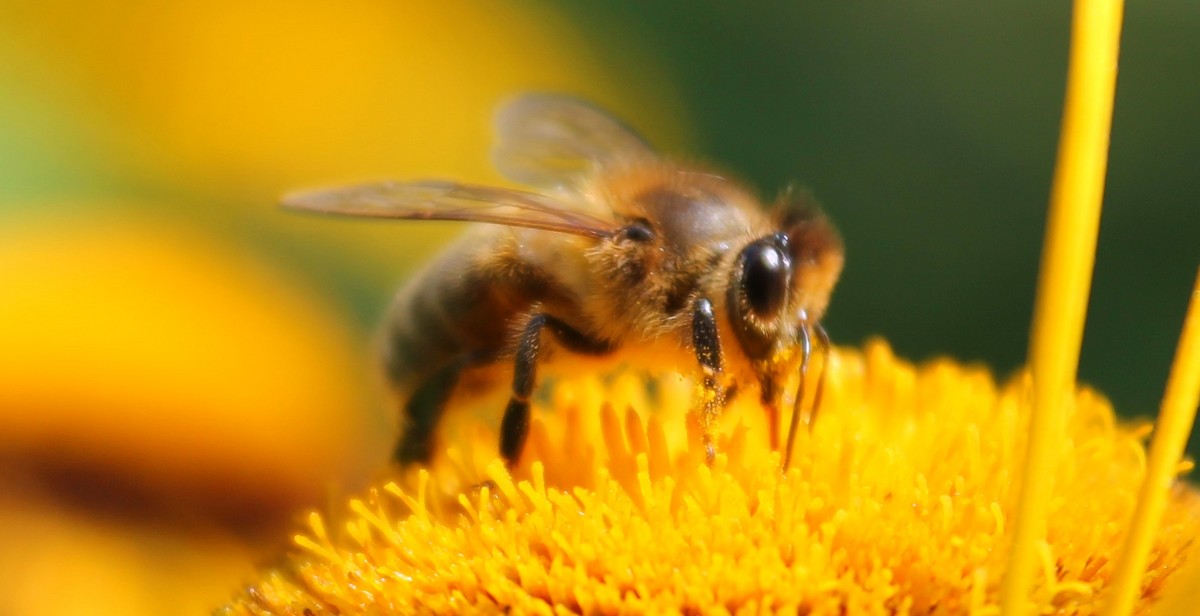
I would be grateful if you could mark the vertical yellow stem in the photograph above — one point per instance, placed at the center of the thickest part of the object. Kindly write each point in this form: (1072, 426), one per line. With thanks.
(1065, 280)
(1170, 436)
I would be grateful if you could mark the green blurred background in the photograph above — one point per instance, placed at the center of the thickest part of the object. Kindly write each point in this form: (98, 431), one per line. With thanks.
(183, 366)
(929, 129)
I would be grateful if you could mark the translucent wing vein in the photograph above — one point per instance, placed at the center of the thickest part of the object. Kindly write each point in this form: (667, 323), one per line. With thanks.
(438, 200)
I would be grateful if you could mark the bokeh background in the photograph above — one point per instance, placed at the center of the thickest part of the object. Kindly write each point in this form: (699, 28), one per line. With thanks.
(184, 368)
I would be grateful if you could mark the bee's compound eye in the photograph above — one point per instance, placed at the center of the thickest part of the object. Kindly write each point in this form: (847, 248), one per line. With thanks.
(637, 231)
(766, 273)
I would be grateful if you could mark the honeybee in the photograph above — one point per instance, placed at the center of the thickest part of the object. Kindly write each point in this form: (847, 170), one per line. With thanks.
(612, 248)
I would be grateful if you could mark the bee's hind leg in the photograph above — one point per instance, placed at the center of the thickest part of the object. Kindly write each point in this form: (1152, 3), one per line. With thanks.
(514, 428)
(422, 413)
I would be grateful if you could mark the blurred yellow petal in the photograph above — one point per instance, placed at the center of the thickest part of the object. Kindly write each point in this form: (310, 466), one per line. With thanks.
(172, 359)
(251, 97)
(230, 104)
(62, 562)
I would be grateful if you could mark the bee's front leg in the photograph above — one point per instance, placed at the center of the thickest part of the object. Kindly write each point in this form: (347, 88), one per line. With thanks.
(769, 399)
(707, 344)
(514, 428)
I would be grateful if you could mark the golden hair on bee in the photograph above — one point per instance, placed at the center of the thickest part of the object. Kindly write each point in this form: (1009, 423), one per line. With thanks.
(611, 248)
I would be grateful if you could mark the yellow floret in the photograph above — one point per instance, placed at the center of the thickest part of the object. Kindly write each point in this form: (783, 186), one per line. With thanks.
(899, 501)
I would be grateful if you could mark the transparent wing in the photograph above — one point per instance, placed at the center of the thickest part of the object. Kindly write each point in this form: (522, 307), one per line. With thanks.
(549, 140)
(435, 200)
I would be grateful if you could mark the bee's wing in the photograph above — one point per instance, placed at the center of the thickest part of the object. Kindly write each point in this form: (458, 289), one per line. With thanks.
(549, 140)
(435, 200)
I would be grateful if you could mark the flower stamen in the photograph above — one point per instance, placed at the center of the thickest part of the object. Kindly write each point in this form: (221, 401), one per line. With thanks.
(1170, 436)
(1066, 271)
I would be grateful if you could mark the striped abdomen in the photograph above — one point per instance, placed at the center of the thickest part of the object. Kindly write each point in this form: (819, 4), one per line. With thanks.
(465, 303)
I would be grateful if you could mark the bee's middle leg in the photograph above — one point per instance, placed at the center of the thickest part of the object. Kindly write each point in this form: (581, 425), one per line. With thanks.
(707, 344)
(514, 427)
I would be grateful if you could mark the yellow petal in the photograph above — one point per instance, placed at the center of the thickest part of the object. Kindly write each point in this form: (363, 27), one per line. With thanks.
(168, 358)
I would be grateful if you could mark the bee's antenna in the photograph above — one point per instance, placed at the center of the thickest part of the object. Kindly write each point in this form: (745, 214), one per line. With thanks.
(824, 347)
(805, 353)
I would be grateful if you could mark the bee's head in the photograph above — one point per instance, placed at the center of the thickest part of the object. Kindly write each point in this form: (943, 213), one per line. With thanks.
(783, 280)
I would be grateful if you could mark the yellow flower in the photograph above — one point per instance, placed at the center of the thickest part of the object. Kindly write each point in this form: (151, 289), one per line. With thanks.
(920, 489)
(900, 500)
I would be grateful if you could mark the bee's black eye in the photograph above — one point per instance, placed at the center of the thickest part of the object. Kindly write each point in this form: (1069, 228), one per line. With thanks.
(766, 274)
(637, 231)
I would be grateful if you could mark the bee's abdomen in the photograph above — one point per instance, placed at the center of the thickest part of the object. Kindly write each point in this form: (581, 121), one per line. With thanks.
(461, 306)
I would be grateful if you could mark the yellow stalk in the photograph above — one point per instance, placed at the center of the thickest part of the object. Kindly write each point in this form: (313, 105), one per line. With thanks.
(1065, 278)
(1170, 436)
